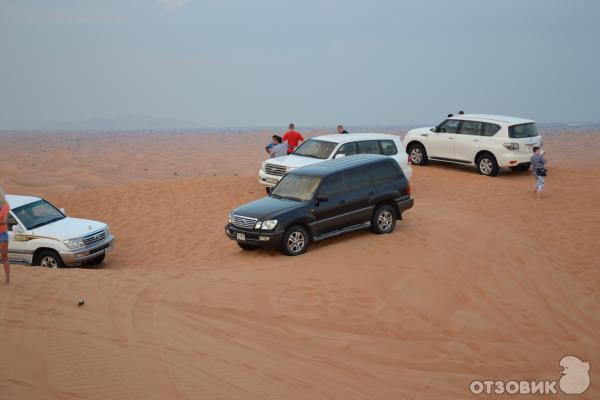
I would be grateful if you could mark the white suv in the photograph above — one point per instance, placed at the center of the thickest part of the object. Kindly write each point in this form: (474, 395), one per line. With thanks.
(41, 234)
(487, 141)
(327, 147)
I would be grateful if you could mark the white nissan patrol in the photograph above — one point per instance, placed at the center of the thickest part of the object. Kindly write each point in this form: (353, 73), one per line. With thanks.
(41, 234)
(487, 141)
(328, 147)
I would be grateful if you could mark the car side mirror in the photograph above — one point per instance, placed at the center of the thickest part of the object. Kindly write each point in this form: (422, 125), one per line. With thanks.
(435, 129)
(339, 156)
(17, 229)
(322, 199)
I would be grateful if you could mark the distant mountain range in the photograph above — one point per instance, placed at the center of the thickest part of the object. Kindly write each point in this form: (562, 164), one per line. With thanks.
(125, 122)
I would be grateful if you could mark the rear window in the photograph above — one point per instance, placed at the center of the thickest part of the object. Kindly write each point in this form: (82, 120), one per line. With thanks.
(388, 147)
(369, 147)
(489, 129)
(522, 131)
(383, 173)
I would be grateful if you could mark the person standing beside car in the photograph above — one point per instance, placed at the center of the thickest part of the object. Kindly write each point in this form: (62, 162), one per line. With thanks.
(4, 208)
(279, 149)
(341, 130)
(538, 166)
(292, 138)
(270, 145)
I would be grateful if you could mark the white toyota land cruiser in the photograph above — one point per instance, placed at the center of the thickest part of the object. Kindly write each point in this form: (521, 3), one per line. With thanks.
(41, 234)
(487, 141)
(327, 147)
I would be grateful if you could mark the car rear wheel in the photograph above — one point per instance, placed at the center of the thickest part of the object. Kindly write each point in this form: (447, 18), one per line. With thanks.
(487, 165)
(384, 219)
(417, 153)
(295, 241)
(246, 246)
(48, 259)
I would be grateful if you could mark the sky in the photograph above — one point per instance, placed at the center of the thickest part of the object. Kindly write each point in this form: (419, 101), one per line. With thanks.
(247, 63)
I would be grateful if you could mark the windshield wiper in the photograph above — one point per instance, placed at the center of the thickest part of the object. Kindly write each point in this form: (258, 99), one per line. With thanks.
(275, 195)
(46, 222)
(292, 198)
(307, 155)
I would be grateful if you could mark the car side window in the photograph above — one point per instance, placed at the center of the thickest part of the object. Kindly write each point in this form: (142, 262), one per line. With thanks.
(348, 149)
(489, 129)
(388, 147)
(333, 186)
(471, 128)
(382, 173)
(369, 147)
(449, 126)
(357, 179)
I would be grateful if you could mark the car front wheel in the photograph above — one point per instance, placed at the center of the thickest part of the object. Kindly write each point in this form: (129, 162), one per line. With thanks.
(384, 219)
(48, 259)
(295, 241)
(487, 165)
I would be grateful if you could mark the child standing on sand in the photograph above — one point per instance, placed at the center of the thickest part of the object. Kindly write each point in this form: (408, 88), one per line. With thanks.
(538, 165)
(4, 236)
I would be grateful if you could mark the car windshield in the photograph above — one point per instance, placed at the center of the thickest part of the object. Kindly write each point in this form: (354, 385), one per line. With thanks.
(522, 131)
(320, 149)
(296, 187)
(38, 213)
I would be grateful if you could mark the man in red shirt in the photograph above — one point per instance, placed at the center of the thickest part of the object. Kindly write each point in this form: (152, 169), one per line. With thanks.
(293, 138)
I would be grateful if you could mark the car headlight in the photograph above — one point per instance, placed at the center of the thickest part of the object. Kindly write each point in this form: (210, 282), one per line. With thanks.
(230, 218)
(74, 243)
(268, 225)
(107, 231)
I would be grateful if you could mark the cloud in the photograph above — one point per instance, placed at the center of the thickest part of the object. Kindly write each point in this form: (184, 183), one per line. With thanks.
(173, 4)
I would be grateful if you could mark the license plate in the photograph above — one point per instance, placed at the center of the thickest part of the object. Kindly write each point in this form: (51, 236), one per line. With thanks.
(271, 180)
(241, 236)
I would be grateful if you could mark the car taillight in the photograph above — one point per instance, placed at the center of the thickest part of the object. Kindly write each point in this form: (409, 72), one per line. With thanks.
(511, 146)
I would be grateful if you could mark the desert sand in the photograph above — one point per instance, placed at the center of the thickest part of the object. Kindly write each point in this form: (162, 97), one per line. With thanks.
(479, 281)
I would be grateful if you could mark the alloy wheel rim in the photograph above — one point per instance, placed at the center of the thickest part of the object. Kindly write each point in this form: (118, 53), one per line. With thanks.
(49, 262)
(384, 221)
(416, 155)
(296, 241)
(485, 165)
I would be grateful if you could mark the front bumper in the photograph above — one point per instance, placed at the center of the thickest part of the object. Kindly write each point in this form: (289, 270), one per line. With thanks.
(83, 254)
(254, 237)
(268, 180)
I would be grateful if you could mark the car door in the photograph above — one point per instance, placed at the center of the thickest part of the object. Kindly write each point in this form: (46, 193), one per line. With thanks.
(329, 213)
(441, 142)
(467, 141)
(361, 195)
(369, 147)
(18, 250)
(346, 149)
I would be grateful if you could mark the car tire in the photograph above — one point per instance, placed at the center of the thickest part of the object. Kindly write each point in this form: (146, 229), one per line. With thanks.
(246, 246)
(487, 165)
(521, 167)
(383, 220)
(48, 259)
(295, 241)
(417, 154)
(96, 260)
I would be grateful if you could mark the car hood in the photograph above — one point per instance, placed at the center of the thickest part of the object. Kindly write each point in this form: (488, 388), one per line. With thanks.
(420, 131)
(293, 161)
(267, 208)
(69, 228)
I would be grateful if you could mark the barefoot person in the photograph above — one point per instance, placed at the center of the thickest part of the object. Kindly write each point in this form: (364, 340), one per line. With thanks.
(4, 236)
(538, 166)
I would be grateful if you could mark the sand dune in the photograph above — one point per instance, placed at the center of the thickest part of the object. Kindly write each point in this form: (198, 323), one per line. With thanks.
(480, 281)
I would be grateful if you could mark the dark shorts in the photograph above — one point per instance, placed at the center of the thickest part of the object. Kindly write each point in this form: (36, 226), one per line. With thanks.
(3, 237)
